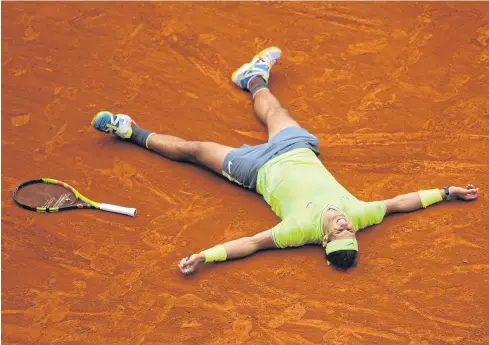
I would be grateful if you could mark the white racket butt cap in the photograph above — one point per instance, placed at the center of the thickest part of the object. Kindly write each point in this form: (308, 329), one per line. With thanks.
(118, 209)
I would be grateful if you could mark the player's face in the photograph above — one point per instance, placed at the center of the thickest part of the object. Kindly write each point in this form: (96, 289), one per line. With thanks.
(339, 229)
(340, 226)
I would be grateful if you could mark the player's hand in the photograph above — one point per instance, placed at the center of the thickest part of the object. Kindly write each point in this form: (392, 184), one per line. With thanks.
(467, 193)
(189, 265)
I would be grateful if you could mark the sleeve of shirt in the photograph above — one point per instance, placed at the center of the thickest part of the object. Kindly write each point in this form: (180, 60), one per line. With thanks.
(374, 213)
(289, 233)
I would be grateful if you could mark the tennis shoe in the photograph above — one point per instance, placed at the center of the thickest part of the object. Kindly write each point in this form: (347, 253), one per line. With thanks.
(260, 65)
(120, 124)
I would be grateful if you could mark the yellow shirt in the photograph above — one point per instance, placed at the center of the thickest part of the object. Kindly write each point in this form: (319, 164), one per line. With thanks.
(299, 189)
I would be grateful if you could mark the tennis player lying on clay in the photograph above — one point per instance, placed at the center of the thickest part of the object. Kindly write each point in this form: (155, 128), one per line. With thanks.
(313, 206)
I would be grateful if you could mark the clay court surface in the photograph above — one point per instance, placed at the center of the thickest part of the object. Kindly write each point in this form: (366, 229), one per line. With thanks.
(397, 94)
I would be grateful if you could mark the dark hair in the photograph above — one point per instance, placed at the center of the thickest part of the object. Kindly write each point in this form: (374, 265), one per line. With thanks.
(342, 259)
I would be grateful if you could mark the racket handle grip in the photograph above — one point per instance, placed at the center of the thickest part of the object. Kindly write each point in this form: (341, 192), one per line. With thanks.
(118, 209)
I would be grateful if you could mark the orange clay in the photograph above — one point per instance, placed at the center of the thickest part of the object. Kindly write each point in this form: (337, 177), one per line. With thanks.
(397, 94)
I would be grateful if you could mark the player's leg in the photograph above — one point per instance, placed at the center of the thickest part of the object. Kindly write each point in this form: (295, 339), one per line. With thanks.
(253, 77)
(208, 154)
(271, 113)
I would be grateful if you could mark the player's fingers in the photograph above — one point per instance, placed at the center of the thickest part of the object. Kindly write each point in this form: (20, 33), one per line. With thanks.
(184, 268)
(183, 263)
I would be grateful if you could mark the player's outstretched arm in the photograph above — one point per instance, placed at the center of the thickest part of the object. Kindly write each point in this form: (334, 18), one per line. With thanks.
(239, 248)
(422, 199)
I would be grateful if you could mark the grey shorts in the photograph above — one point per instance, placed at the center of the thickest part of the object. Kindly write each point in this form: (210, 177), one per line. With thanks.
(242, 165)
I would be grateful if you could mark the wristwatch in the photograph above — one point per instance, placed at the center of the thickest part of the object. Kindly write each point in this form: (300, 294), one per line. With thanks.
(447, 194)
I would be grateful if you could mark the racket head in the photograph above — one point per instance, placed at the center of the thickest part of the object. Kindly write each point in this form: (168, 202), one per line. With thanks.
(47, 195)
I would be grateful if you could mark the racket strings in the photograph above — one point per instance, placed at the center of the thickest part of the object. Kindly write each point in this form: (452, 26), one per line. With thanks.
(45, 196)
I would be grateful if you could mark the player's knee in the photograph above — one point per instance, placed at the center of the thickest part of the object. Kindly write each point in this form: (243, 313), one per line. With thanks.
(191, 150)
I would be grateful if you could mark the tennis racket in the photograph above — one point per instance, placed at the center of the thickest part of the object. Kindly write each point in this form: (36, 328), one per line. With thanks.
(47, 195)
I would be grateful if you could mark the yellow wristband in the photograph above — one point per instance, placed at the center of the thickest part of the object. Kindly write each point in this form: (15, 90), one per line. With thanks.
(429, 197)
(217, 253)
